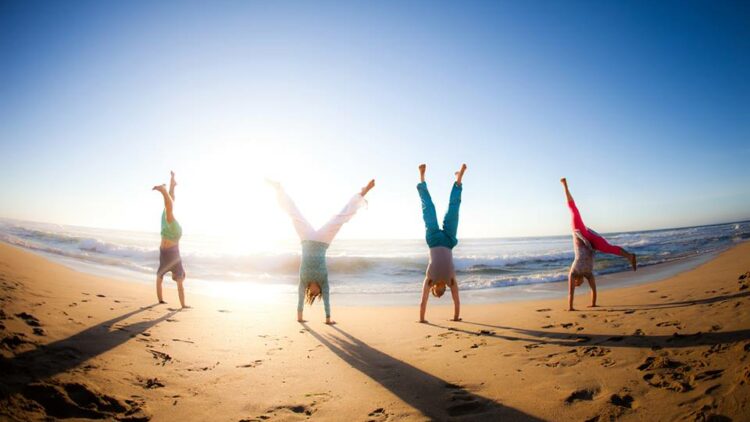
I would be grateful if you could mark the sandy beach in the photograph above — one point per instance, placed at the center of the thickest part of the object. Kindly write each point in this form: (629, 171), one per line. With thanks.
(82, 346)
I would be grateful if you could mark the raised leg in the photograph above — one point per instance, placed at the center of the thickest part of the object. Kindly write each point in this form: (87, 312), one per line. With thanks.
(450, 222)
(303, 228)
(576, 220)
(328, 232)
(168, 205)
(428, 210)
(172, 184)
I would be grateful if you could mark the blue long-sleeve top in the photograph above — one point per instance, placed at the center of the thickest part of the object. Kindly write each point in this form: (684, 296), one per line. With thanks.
(313, 269)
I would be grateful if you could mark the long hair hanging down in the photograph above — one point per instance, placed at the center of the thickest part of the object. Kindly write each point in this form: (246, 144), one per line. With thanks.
(309, 295)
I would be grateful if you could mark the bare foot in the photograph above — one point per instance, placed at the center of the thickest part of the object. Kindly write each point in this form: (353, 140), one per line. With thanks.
(572, 309)
(422, 321)
(460, 174)
(422, 169)
(593, 306)
(161, 302)
(330, 322)
(564, 181)
(172, 182)
(633, 261)
(301, 320)
(161, 188)
(456, 319)
(367, 188)
(187, 307)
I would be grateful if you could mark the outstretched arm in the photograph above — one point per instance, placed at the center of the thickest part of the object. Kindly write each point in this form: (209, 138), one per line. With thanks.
(456, 301)
(300, 301)
(325, 292)
(571, 292)
(425, 297)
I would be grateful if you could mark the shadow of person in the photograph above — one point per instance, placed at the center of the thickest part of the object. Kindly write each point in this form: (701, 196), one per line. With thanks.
(580, 338)
(63, 355)
(434, 397)
(677, 304)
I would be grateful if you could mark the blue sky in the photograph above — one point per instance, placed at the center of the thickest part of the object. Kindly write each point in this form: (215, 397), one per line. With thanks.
(644, 106)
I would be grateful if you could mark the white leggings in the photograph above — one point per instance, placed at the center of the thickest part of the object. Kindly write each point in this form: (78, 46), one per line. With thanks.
(325, 234)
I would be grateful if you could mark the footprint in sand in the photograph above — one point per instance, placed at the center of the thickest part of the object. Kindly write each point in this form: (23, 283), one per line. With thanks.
(377, 415)
(465, 404)
(251, 364)
(74, 400)
(544, 310)
(287, 412)
(583, 394)
(150, 383)
(677, 324)
(529, 347)
(14, 341)
(29, 319)
(161, 357)
(592, 351)
(667, 373)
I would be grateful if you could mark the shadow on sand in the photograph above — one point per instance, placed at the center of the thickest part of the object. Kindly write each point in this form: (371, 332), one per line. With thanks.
(63, 355)
(432, 396)
(573, 339)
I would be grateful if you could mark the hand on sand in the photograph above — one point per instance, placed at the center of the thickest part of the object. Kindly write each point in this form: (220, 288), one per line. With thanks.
(370, 185)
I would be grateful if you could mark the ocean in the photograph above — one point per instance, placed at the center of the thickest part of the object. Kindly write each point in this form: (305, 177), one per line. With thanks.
(373, 268)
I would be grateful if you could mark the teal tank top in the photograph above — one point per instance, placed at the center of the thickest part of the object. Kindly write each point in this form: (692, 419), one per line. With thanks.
(313, 265)
(170, 231)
